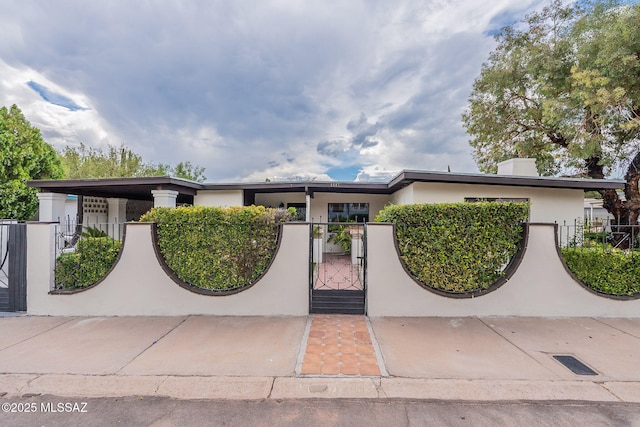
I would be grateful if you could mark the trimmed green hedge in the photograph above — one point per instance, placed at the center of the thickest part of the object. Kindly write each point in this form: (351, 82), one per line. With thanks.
(92, 259)
(607, 270)
(457, 247)
(218, 248)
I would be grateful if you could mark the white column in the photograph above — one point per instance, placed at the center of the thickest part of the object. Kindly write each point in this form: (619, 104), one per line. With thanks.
(164, 198)
(117, 216)
(357, 248)
(117, 211)
(51, 207)
(308, 208)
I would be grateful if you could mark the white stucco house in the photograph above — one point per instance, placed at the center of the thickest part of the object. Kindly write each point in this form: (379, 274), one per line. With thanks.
(118, 200)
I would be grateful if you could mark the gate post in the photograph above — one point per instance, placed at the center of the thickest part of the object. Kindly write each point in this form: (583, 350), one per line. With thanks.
(40, 267)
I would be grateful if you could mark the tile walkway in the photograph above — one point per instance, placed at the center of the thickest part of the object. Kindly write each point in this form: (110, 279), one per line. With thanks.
(337, 272)
(339, 345)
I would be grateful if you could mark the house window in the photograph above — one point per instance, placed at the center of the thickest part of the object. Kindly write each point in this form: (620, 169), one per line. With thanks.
(348, 212)
(495, 199)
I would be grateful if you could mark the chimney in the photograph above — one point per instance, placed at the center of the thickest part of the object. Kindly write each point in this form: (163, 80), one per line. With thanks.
(518, 167)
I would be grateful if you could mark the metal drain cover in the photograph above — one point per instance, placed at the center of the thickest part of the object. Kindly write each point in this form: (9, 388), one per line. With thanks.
(576, 366)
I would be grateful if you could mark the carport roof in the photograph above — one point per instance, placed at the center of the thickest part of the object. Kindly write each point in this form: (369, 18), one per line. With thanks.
(140, 188)
(128, 188)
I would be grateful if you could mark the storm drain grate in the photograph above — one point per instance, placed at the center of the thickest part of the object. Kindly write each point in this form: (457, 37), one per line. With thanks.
(576, 366)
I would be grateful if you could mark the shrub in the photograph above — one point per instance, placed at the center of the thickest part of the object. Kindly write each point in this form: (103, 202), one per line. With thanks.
(92, 259)
(341, 235)
(457, 247)
(218, 248)
(604, 269)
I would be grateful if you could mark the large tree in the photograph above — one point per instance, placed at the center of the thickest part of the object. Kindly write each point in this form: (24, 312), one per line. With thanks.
(120, 162)
(189, 171)
(563, 86)
(24, 155)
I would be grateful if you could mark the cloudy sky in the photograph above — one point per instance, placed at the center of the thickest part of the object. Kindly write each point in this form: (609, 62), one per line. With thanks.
(255, 89)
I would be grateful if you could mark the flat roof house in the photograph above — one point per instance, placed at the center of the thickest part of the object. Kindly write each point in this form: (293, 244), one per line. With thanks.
(119, 200)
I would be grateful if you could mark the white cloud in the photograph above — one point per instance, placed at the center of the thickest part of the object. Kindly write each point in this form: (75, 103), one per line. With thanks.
(59, 125)
(252, 89)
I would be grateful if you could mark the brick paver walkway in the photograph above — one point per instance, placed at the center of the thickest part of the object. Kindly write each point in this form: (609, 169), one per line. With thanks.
(337, 272)
(339, 345)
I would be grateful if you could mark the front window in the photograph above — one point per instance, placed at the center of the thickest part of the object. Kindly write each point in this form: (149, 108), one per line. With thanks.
(348, 212)
(495, 199)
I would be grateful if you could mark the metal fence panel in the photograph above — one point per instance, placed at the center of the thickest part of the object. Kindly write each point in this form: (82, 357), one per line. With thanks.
(18, 267)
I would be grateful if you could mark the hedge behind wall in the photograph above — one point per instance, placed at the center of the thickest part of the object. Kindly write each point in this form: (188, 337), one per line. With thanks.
(219, 249)
(457, 247)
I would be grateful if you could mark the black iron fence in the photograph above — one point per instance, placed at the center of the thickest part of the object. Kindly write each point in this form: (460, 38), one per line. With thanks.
(604, 256)
(4, 253)
(13, 266)
(338, 259)
(599, 234)
(85, 253)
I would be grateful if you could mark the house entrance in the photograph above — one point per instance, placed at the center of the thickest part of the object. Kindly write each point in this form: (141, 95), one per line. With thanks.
(337, 280)
(13, 266)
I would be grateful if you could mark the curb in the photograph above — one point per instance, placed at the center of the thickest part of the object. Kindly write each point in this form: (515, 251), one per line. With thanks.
(257, 388)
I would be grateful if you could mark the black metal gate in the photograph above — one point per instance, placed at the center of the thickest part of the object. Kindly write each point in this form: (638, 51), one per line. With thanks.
(13, 267)
(337, 279)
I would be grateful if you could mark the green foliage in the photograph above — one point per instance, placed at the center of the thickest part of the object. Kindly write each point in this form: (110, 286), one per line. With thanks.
(186, 170)
(115, 162)
(604, 269)
(592, 195)
(562, 87)
(120, 162)
(93, 232)
(218, 248)
(91, 260)
(457, 247)
(24, 155)
(341, 236)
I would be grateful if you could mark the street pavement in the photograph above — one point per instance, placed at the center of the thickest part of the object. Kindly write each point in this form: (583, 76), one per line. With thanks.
(163, 412)
(493, 359)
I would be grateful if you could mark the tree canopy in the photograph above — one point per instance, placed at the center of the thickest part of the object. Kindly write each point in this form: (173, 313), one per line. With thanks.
(24, 155)
(120, 162)
(563, 86)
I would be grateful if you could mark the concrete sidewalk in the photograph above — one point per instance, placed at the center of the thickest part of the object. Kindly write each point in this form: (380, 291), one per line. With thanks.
(209, 357)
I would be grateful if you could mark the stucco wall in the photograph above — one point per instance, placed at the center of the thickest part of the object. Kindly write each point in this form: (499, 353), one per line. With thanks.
(404, 196)
(139, 286)
(220, 198)
(320, 202)
(547, 204)
(540, 287)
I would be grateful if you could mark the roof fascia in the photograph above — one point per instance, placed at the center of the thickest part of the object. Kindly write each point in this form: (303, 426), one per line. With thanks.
(408, 177)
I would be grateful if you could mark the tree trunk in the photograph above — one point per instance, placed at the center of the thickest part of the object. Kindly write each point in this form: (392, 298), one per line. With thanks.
(625, 213)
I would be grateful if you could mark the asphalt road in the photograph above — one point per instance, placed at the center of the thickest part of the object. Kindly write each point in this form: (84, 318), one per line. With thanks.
(160, 411)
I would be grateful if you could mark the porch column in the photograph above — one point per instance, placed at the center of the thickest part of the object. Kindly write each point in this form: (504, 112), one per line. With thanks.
(117, 216)
(117, 211)
(308, 208)
(51, 207)
(164, 198)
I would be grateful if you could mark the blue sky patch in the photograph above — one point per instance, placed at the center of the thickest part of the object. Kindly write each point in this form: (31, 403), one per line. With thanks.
(54, 98)
(346, 173)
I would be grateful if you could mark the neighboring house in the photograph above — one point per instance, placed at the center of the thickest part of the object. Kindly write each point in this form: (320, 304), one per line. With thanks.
(117, 200)
(594, 212)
